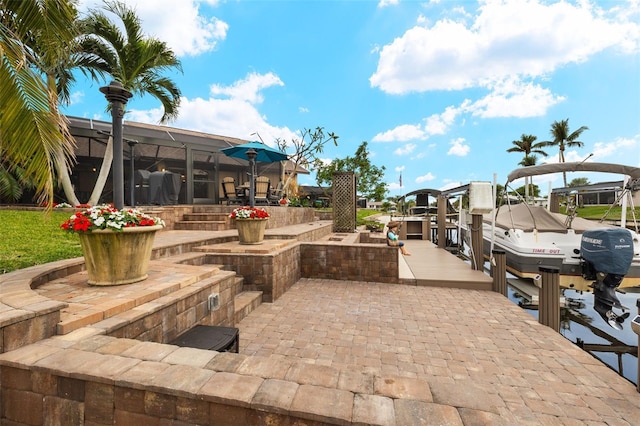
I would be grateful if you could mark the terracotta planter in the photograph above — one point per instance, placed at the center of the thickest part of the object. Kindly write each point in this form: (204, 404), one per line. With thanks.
(251, 231)
(118, 257)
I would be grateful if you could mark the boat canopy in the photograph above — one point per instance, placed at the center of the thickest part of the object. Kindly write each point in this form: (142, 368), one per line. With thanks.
(530, 218)
(543, 169)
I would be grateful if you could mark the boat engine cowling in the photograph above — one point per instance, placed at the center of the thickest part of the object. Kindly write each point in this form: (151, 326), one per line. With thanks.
(606, 256)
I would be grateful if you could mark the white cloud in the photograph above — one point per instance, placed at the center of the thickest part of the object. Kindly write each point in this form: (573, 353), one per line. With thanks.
(438, 124)
(393, 185)
(425, 178)
(451, 185)
(407, 149)
(385, 3)
(181, 25)
(458, 148)
(249, 88)
(401, 133)
(602, 149)
(399, 169)
(76, 98)
(150, 116)
(575, 156)
(230, 110)
(509, 98)
(522, 38)
(513, 98)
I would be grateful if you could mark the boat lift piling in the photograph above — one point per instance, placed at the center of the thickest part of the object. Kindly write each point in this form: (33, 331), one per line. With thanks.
(441, 221)
(549, 304)
(499, 272)
(638, 381)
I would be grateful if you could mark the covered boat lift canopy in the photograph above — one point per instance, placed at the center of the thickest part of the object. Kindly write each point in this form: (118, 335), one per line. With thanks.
(543, 169)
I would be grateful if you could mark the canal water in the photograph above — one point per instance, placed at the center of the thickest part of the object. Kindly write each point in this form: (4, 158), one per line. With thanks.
(579, 322)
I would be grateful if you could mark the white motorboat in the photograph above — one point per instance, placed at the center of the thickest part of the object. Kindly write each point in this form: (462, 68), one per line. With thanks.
(532, 236)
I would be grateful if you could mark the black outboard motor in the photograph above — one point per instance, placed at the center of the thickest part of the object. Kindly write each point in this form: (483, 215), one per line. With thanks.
(606, 257)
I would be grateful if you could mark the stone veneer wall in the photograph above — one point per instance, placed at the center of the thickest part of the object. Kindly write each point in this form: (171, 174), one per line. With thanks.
(42, 398)
(99, 380)
(272, 274)
(275, 272)
(353, 262)
(25, 316)
(170, 214)
(373, 238)
(163, 322)
(279, 216)
(285, 216)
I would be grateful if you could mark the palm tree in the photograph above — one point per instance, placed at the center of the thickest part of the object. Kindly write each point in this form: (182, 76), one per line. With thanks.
(563, 139)
(132, 59)
(32, 131)
(528, 145)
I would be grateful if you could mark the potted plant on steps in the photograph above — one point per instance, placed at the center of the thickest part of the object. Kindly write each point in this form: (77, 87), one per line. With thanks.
(116, 244)
(250, 223)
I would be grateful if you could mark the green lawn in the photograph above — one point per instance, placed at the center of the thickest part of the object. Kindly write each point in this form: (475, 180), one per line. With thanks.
(30, 238)
(596, 212)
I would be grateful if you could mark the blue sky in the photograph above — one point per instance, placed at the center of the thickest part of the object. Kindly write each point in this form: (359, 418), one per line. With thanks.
(439, 89)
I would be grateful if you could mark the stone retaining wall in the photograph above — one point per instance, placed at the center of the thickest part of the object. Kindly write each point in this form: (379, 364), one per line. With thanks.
(100, 380)
(163, 320)
(352, 262)
(279, 216)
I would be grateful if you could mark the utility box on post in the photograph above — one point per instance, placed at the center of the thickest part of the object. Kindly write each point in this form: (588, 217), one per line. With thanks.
(480, 198)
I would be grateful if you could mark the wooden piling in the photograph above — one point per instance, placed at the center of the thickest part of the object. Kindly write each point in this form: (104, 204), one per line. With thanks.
(549, 300)
(476, 242)
(638, 357)
(499, 272)
(442, 221)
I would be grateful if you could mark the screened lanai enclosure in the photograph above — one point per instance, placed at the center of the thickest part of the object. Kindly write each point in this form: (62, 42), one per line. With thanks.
(168, 165)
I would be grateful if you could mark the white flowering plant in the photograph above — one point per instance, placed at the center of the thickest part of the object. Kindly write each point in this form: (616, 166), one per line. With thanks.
(62, 206)
(108, 217)
(249, 213)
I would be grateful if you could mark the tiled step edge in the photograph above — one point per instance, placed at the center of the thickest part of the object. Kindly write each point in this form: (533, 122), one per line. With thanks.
(192, 225)
(245, 303)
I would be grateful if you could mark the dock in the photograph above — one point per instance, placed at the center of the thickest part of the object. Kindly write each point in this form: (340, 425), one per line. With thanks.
(430, 266)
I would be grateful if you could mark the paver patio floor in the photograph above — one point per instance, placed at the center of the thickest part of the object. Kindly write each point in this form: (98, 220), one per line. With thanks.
(456, 340)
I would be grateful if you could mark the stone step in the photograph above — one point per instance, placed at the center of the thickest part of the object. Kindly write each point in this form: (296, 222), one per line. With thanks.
(189, 258)
(206, 217)
(183, 225)
(212, 209)
(245, 303)
(167, 281)
(237, 285)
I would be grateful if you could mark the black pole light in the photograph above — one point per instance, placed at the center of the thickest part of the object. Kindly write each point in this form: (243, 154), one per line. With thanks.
(251, 155)
(117, 96)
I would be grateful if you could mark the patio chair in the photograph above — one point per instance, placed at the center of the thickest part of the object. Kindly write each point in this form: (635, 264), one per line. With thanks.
(276, 194)
(262, 187)
(229, 191)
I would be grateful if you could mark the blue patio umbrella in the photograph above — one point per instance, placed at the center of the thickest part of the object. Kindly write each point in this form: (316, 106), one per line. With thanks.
(254, 151)
(265, 154)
